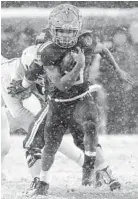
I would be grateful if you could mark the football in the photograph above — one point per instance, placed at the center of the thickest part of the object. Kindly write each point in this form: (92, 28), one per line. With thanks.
(67, 63)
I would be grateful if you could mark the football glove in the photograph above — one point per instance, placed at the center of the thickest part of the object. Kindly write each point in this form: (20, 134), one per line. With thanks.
(18, 91)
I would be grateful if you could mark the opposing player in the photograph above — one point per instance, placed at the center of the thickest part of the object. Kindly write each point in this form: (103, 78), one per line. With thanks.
(69, 94)
(14, 114)
(5, 135)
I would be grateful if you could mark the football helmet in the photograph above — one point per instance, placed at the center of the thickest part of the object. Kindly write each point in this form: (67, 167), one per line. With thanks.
(65, 22)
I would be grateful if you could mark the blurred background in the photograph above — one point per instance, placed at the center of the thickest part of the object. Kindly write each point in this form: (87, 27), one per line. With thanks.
(114, 23)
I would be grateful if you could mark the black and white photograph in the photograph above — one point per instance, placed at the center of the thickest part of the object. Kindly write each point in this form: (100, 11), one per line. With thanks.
(69, 99)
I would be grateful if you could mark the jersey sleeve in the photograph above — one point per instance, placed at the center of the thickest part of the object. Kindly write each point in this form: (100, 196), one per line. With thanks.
(50, 54)
(87, 42)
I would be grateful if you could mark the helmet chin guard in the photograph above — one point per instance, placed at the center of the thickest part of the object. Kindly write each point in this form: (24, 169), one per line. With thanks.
(65, 22)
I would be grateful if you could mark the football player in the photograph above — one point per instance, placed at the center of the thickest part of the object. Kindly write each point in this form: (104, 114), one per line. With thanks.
(5, 136)
(69, 92)
(34, 146)
(15, 113)
(16, 70)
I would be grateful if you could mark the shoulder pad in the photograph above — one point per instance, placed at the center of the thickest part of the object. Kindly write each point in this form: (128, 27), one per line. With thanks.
(28, 56)
(85, 39)
(50, 53)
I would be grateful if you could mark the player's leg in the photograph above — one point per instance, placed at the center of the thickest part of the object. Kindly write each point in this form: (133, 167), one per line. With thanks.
(33, 156)
(5, 139)
(56, 125)
(36, 130)
(23, 116)
(102, 169)
(5, 135)
(67, 148)
(103, 172)
(70, 150)
(78, 137)
(19, 113)
(34, 143)
(85, 115)
(4, 120)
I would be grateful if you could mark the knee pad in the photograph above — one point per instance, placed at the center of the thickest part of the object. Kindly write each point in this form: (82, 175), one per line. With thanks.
(32, 155)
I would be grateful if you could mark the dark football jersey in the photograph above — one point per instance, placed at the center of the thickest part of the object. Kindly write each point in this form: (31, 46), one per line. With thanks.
(52, 55)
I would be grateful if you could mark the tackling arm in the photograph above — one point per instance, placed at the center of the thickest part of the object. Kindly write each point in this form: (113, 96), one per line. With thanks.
(31, 76)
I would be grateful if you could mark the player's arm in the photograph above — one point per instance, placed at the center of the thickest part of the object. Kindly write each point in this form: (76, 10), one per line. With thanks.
(63, 83)
(30, 78)
(105, 53)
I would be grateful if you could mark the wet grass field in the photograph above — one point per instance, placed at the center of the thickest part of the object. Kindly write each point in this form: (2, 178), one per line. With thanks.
(121, 152)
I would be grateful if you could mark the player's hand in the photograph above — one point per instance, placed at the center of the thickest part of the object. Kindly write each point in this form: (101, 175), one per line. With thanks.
(126, 77)
(16, 87)
(18, 91)
(79, 57)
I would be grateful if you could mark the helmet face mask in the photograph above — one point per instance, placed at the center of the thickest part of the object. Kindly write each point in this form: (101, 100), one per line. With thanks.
(66, 38)
(65, 25)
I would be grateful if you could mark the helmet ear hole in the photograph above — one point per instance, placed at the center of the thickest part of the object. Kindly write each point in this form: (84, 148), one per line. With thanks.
(65, 23)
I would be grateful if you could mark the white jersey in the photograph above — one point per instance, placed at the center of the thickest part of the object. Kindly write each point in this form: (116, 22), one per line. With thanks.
(16, 67)
(11, 69)
(29, 55)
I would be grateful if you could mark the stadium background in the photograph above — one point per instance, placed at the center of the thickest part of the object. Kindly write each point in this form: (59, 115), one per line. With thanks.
(116, 27)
